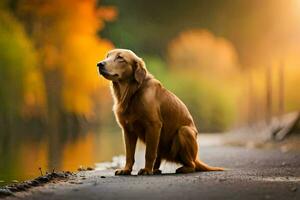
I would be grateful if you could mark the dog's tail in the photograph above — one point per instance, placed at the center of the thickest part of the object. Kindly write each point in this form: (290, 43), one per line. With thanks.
(201, 166)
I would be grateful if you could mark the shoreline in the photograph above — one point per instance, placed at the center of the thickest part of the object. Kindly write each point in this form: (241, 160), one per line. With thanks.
(11, 189)
(209, 152)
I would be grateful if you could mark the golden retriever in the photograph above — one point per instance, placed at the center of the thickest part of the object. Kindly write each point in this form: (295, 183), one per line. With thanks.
(145, 110)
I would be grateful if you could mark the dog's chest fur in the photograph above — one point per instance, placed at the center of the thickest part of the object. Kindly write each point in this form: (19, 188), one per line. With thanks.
(132, 119)
(135, 113)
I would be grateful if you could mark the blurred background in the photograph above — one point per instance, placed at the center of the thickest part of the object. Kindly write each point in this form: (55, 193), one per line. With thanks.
(234, 63)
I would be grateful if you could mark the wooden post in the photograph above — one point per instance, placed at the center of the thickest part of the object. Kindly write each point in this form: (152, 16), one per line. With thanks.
(281, 89)
(250, 99)
(268, 94)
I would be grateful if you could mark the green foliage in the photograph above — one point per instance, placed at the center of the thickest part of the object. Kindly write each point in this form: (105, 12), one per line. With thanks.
(17, 57)
(156, 66)
(211, 105)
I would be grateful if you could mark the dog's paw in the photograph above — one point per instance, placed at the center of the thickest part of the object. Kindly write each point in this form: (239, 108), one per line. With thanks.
(145, 171)
(156, 171)
(123, 172)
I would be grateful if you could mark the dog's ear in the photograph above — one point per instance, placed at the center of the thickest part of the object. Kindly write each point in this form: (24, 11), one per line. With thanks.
(139, 70)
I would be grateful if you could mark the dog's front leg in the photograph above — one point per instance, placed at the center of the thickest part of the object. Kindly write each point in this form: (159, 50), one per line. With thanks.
(130, 144)
(152, 141)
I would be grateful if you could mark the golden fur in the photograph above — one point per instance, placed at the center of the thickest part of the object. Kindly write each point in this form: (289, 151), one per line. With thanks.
(145, 110)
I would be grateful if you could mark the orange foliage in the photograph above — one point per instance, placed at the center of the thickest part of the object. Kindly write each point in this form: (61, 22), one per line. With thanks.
(200, 49)
(65, 34)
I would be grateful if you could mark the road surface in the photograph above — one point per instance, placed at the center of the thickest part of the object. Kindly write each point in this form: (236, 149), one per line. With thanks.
(253, 174)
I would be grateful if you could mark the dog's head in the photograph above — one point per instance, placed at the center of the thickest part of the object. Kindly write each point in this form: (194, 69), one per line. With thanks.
(122, 65)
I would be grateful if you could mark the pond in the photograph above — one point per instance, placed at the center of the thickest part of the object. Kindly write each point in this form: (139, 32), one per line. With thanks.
(21, 157)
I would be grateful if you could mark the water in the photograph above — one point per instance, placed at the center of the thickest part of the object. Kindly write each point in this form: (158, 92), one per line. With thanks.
(22, 156)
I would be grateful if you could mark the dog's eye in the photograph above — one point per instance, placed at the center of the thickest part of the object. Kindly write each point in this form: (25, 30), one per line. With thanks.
(120, 59)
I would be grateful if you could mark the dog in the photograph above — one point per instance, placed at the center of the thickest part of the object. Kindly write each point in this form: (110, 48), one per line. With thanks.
(145, 110)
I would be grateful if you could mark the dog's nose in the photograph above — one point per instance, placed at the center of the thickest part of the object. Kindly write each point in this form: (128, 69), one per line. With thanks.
(101, 64)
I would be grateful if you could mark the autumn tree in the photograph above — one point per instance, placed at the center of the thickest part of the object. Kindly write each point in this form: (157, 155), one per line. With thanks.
(200, 50)
(209, 64)
(65, 35)
(17, 61)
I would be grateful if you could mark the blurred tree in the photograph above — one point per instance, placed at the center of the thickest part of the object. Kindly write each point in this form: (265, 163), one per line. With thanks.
(211, 105)
(210, 66)
(17, 61)
(210, 101)
(258, 29)
(64, 33)
(199, 50)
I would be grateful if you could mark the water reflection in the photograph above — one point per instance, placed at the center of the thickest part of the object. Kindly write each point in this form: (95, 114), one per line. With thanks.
(21, 157)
